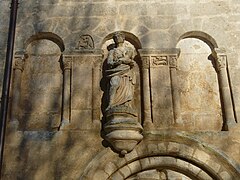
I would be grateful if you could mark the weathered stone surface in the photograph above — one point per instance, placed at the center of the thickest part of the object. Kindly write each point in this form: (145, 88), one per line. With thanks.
(210, 8)
(161, 96)
(201, 83)
(157, 22)
(36, 148)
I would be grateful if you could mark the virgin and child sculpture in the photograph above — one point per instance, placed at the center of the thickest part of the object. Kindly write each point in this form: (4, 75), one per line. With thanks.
(121, 75)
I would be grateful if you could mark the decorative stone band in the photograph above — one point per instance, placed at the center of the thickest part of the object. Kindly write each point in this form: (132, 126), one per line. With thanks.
(68, 57)
(158, 58)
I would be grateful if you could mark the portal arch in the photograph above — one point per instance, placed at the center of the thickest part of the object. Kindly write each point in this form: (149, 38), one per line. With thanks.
(187, 156)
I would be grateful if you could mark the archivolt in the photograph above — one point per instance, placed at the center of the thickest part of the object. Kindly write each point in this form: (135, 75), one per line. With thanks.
(188, 157)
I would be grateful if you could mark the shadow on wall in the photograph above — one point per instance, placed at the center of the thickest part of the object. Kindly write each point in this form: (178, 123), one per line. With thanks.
(41, 83)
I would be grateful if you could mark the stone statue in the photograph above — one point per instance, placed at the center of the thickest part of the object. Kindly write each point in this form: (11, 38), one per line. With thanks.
(121, 74)
(122, 129)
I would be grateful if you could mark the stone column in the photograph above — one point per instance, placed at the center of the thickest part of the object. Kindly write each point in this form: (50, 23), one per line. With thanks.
(147, 121)
(66, 104)
(225, 93)
(96, 94)
(16, 86)
(175, 90)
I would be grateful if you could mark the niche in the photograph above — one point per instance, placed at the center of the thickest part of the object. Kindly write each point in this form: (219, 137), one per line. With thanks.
(132, 42)
(198, 86)
(41, 86)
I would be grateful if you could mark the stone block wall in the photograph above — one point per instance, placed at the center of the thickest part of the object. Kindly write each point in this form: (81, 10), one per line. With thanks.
(3, 35)
(159, 24)
(188, 90)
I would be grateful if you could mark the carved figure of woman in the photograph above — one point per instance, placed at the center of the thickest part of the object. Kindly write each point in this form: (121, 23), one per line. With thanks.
(120, 73)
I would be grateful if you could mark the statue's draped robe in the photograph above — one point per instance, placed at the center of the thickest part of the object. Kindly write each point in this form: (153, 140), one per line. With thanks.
(121, 75)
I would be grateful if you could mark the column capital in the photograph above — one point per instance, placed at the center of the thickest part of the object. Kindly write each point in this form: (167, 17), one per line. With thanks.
(66, 62)
(220, 58)
(19, 61)
(173, 61)
(145, 62)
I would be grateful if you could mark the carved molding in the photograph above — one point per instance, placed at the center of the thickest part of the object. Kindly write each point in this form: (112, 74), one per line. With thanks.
(159, 60)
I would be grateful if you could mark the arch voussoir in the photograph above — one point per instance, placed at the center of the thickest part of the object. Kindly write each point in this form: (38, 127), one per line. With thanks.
(192, 160)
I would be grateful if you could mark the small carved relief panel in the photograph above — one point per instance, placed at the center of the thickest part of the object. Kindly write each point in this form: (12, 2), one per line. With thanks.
(85, 42)
(159, 61)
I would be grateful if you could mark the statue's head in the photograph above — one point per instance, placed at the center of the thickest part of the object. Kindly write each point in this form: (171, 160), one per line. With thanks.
(118, 37)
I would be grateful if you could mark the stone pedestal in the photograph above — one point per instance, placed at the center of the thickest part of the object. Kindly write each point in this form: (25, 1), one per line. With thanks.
(123, 132)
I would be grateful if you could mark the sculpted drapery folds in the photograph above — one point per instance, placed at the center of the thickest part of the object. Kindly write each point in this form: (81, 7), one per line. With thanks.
(121, 75)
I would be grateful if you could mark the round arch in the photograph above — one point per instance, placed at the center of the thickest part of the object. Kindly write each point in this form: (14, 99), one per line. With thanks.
(46, 35)
(187, 156)
(163, 163)
(128, 37)
(209, 40)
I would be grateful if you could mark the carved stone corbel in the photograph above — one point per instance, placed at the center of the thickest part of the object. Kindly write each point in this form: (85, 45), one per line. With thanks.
(220, 61)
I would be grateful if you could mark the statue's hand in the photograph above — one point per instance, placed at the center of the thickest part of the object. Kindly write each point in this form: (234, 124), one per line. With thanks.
(127, 61)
